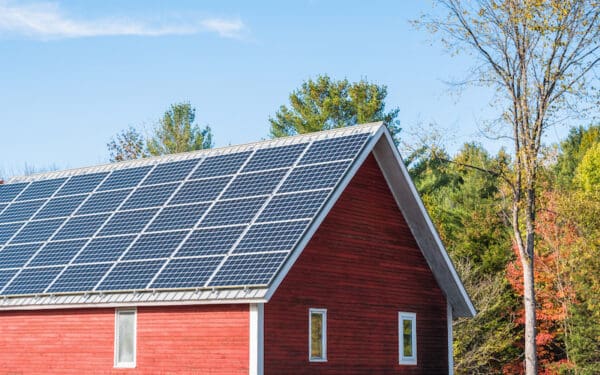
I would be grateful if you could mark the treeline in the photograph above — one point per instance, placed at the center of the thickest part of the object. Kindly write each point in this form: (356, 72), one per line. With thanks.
(468, 198)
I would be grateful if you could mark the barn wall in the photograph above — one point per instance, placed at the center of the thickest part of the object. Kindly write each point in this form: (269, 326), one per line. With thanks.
(185, 339)
(364, 266)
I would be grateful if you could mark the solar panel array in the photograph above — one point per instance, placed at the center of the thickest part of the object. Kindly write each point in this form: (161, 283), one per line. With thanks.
(209, 221)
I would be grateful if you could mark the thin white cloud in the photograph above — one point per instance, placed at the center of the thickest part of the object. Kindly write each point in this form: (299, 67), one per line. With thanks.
(47, 21)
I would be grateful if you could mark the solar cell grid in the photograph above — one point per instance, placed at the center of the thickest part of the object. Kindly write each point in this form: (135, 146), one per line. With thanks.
(81, 227)
(169, 172)
(104, 249)
(15, 256)
(294, 206)
(81, 184)
(79, 278)
(334, 149)
(32, 280)
(6, 276)
(274, 157)
(149, 196)
(186, 273)
(56, 253)
(131, 275)
(41, 189)
(37, 231)
(271, 237)
(60, 207)
(155, 245)
(253, 269)
(314, 177)
(178, 217)
(128, 222)
(259, 183)
(221, 165)
(103, 202)
(21, 211)
(211, 241)
(238, 211)
(8, 192)
(200, 190)
(124, 178)
(7, 231)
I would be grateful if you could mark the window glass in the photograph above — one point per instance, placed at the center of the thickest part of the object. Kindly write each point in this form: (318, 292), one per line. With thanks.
(318, 334)
(407, 337)
(125, 350)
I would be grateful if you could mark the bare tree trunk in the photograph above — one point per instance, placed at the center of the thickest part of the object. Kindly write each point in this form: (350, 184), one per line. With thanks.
(530, 317)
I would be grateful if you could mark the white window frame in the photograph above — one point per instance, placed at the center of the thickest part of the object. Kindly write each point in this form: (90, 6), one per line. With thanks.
(118, 364)
(323, 313)
(402, 317)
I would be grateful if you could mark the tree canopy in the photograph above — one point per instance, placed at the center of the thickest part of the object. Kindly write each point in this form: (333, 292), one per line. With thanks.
(324, 103)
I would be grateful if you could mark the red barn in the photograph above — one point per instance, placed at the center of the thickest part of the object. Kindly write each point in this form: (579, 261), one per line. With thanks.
(303, 255)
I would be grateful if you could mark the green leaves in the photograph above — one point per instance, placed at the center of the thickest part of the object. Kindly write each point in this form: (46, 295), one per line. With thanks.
(323, 104)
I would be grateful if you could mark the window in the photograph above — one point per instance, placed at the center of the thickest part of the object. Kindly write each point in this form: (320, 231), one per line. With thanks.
(317, 330)
(125, 338)
(407, 334)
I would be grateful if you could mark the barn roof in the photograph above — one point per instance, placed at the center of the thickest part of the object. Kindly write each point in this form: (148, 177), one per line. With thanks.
(212, 226)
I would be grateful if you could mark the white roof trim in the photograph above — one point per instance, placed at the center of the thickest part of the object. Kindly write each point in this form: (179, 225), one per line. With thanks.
(142, 298)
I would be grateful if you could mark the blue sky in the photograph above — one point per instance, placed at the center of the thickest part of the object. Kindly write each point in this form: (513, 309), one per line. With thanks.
(74, 73)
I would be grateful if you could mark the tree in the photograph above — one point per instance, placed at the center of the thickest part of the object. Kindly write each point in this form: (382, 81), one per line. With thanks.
(538, 55)
(127, 145)
(324, 103)
(587, 174)
(572, 149)
(176, 132)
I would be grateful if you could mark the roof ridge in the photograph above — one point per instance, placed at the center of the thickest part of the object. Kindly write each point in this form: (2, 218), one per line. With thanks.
(371, 127)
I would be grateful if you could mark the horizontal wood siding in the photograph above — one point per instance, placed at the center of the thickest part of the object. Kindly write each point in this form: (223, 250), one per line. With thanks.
(364, 266)
(176, 339)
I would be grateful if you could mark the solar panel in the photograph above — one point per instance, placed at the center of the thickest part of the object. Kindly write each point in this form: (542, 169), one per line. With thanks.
(200, 190)
(103, 202)
(128, 222)
(15, 256)
(9, 192)
(36, 231)
(81, 227)
(221, 165)
(253, 269)
(334, 149)
(149, 196)
(32, 280)
(60, 207)
(104, 249)
(275, 157)
(186, 273)
(81, 184)
(238, 211)
(260, 183)
(169, 172)
(178, 217)
(41, 189)
(55, 253)
(270, 237)
(314, 177)
(20, 211)
(124, 178)
(7, 231)
(131, 275)
(211, 220)
(155, 245)
(211, 241)
(79, 278)
(294, 206)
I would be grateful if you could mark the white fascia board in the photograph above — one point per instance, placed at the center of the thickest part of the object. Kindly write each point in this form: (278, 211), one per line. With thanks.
(421, 226)
(257, 339)
(125, 299)
(320, 217)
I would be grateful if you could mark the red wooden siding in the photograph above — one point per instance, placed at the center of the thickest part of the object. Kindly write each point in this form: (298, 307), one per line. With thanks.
(364, 266)
(171, 339)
